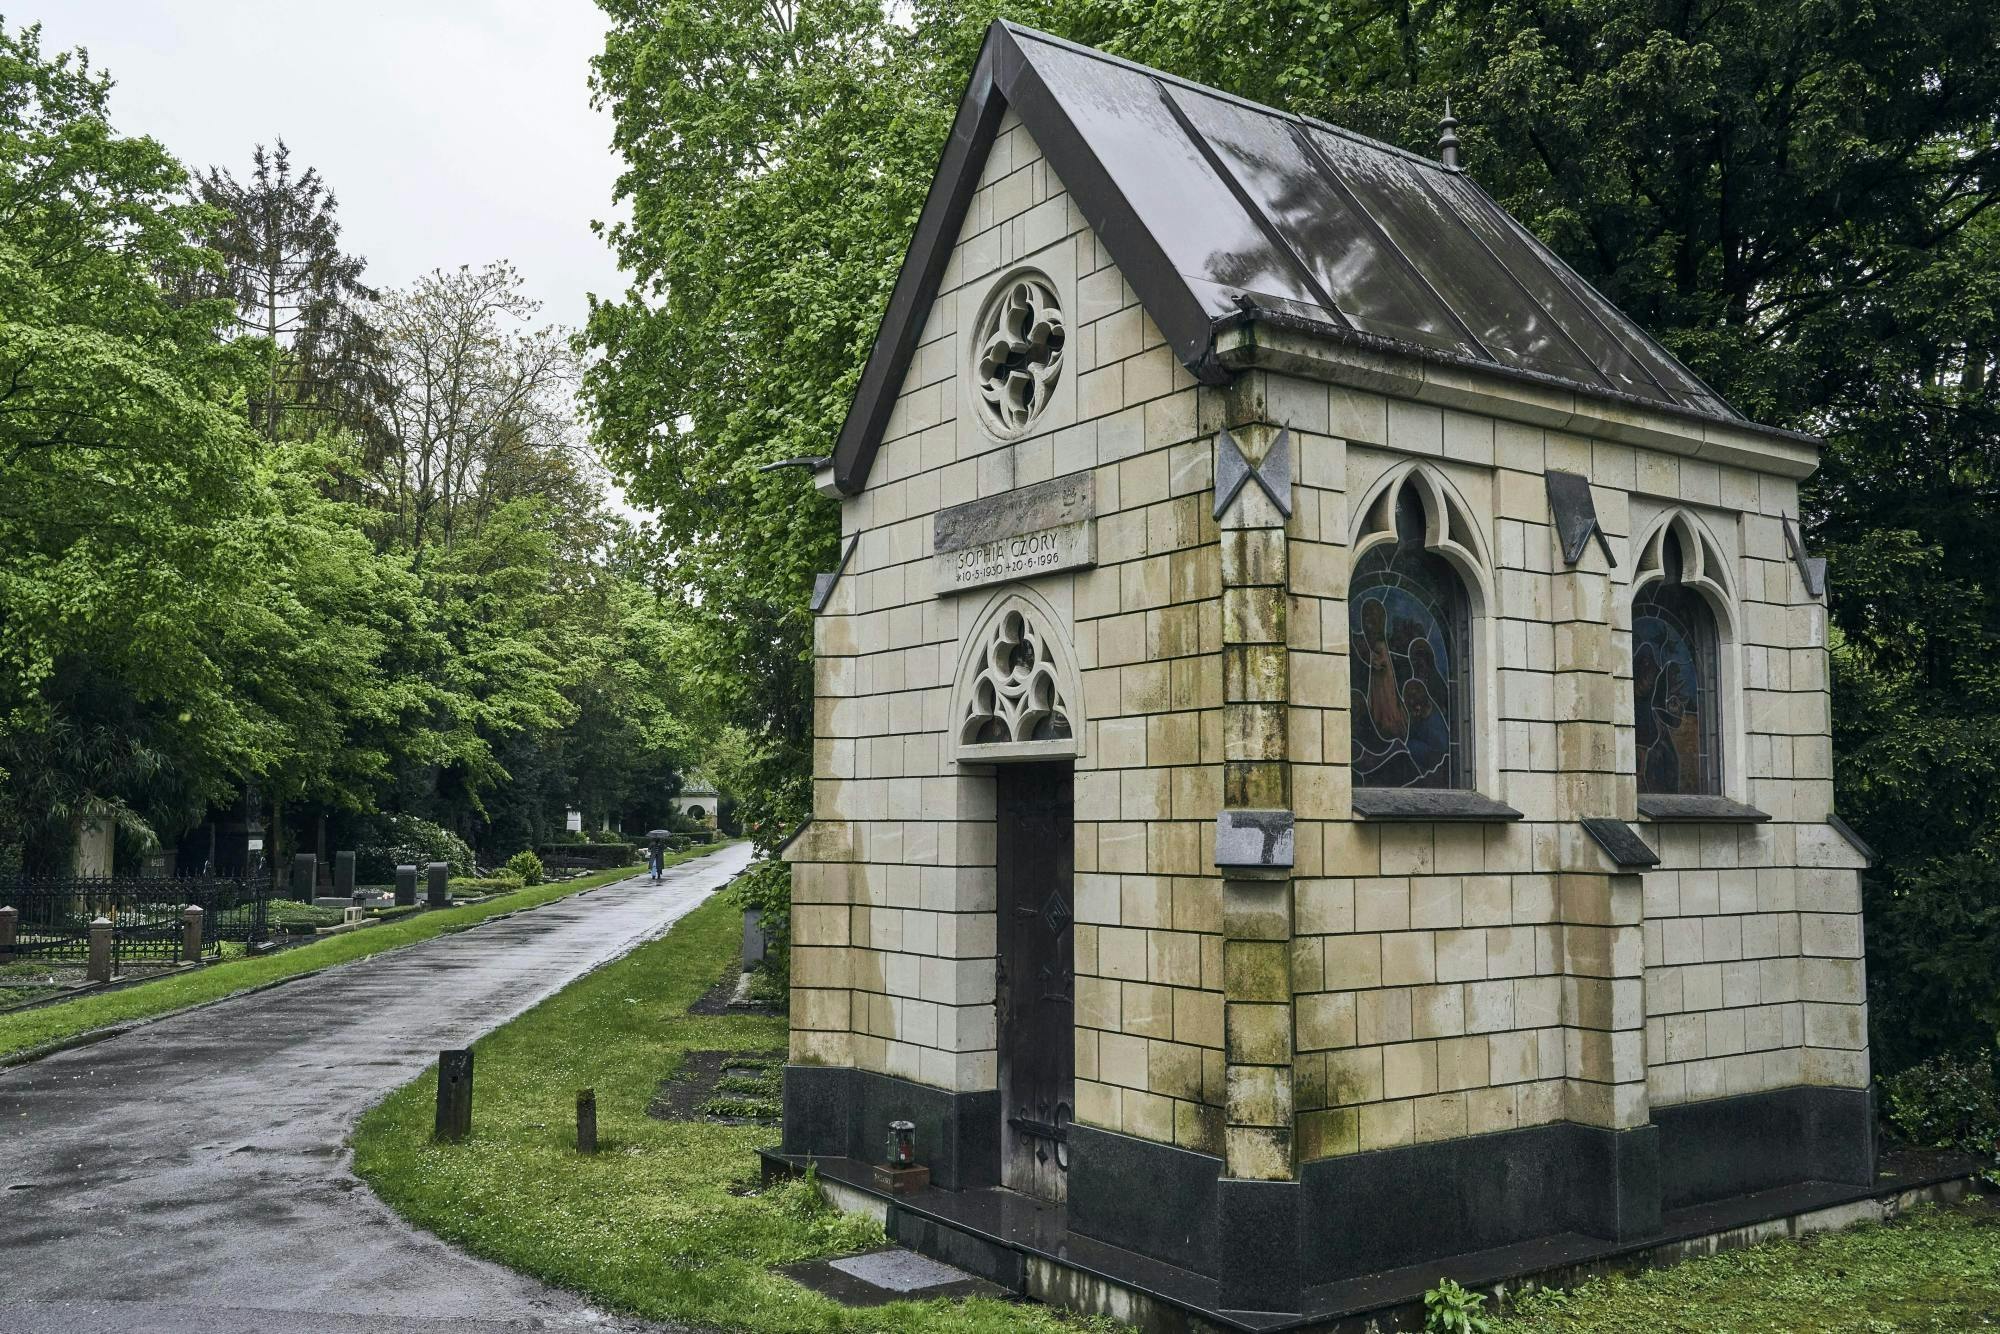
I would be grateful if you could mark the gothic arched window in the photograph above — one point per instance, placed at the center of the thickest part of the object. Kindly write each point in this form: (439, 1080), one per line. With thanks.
(1675, 704)
(1409, 628)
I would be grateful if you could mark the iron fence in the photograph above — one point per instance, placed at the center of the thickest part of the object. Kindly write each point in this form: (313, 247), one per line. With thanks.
(147, 915)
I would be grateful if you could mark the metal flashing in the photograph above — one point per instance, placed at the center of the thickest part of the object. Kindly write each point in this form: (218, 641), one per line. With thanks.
(1575, 514)
(823, 584)
(1812, 569)
(1621, 842)
(1846, 831)
(1428, 803)
(1675, 806)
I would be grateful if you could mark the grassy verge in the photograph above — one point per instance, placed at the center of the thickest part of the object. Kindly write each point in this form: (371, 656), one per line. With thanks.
(664, 1221)
(1933, 1270)
(53, 1023)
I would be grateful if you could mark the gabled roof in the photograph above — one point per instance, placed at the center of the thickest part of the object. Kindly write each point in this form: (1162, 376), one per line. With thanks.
(1219, 212)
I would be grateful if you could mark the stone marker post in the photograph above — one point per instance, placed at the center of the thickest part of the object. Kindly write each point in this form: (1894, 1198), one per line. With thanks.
(191, 934)
(454, 1103)
(438, 873)
(343, 874)
(304, 884)
(406, 886)
(586, 1120)
(100, 950)
(10, 921)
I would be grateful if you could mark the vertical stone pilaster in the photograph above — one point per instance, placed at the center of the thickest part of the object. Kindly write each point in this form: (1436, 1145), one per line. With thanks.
(1259, 1195)
(1600, 915)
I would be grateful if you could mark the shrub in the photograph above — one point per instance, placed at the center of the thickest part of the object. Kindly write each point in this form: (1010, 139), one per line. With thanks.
(767, 887)
(1947, 1102)
(526, 865)
(505, 883)
(1451, 1309)
(405, 840)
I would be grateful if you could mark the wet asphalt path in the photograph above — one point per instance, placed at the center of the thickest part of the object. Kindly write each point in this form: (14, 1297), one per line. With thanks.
(190, 1176)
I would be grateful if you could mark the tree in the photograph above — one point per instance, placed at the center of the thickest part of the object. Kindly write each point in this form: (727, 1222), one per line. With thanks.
(123, 456)
(294, 289)
(476, 405)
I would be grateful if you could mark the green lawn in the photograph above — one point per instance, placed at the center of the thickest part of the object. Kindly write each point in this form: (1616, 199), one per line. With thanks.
(650, 1225)
(1934, 1270)
(667, 1222)
(52, 1023)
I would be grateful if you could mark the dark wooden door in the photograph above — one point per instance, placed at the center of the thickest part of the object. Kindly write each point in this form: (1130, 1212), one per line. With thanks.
(1036, 859)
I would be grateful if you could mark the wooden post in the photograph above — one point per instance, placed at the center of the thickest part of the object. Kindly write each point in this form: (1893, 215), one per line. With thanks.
(100, 950)
(586, 1120)
(439, 874)
(10, 921)
(191, 934)
(454, 1105)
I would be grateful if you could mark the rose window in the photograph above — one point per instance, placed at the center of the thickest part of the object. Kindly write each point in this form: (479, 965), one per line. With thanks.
(1019, 352)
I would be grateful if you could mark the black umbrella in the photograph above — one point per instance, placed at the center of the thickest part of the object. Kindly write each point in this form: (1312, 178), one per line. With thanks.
(659, 833)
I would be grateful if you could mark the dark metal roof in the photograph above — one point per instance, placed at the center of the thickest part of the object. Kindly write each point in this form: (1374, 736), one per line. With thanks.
(1218, 210)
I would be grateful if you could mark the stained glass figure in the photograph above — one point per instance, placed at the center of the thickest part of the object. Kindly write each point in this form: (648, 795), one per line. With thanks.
(1408, 619)
(1674, 684)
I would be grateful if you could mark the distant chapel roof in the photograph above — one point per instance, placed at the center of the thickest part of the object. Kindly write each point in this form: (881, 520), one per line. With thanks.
(1221, 212)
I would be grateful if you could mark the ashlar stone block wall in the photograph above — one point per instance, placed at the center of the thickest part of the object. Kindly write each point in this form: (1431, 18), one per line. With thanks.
(894, 880)
(1447, 979)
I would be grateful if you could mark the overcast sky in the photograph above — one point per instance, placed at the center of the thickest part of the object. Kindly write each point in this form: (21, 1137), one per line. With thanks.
(453, 131)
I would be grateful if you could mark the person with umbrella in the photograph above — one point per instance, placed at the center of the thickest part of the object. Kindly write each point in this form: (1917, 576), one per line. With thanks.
(656, 850)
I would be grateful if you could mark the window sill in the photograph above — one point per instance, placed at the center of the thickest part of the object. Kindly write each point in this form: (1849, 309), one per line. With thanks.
(1713, 810)
(1428, 803)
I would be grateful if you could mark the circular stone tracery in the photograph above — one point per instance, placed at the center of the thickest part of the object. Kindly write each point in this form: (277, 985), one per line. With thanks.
(1018, 354)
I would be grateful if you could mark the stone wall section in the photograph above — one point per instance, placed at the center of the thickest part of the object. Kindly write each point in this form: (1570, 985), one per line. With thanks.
(894, 880)
(1458, 979)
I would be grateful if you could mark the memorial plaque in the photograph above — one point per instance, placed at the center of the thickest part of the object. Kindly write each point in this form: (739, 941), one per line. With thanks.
(1039, 529)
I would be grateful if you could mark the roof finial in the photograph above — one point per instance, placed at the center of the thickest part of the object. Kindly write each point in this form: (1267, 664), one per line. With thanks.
(1448, 138)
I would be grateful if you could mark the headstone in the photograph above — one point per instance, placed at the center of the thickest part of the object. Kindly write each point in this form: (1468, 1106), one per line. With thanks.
(305, 877)
(753, 938)
(406, 886)
(437, 874)
(454, 1103)
(343, 874)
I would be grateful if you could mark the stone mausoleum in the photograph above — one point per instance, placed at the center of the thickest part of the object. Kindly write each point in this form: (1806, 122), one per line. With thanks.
(1321, 755)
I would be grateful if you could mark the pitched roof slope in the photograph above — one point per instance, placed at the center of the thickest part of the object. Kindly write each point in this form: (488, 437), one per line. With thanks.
(1219, 211)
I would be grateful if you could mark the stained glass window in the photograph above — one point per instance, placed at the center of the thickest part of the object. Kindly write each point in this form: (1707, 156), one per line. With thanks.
(1674, 684)
(1407, 619)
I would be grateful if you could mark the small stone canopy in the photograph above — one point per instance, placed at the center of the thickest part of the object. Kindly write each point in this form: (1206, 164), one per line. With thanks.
(1222, 214)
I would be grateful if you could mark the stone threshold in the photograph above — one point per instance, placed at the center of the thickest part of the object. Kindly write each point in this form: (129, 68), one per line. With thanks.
(1026, 1246)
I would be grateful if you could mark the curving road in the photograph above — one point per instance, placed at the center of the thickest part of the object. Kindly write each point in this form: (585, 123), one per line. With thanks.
(191, 1175)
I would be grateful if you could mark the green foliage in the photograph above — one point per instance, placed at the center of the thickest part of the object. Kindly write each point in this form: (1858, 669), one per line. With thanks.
(485, 884)
(666, 1221)
(527, 866)
(1932, 1270)
(1451, 1309)
(1946, 1103)
(405, 840)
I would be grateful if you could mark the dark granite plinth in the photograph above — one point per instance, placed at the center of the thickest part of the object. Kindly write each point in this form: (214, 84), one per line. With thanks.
(1259, 1266)
(1731, 1146)
(840, 1112)
(1171, 1218)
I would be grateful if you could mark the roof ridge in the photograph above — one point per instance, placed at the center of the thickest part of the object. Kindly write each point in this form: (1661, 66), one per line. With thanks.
(1151, 71)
